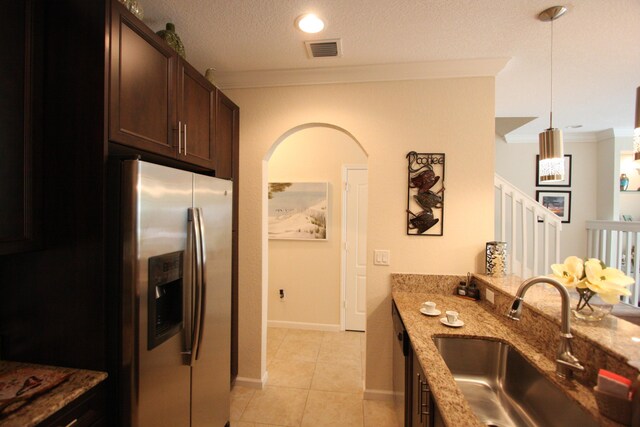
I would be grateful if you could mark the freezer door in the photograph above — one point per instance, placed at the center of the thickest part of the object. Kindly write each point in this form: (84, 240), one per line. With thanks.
(211, 371)
(162, 199)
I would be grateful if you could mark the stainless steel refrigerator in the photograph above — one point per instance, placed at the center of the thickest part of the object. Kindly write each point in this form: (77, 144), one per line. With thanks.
(175, 297)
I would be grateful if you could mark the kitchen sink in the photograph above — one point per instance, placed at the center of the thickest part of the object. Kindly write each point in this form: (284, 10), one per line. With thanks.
(504, 389)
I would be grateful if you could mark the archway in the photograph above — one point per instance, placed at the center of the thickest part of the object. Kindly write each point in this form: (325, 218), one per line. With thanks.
(308, 272)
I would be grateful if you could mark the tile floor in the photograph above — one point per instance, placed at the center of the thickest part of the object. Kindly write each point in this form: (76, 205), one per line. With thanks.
(315, 379)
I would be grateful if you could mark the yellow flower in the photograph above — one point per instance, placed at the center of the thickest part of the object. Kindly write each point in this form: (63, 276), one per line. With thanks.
(609, 283)
(570, 273)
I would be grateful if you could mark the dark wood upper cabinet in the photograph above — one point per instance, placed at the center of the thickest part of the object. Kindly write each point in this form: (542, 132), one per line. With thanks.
(20, 126)
(227, 137)
(142, 86)
(196, 117)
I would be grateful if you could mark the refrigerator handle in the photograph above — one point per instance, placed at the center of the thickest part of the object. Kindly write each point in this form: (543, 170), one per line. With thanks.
(203, 279)
(195, 288)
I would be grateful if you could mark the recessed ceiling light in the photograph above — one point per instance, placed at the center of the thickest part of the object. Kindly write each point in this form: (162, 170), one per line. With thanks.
(309, 23)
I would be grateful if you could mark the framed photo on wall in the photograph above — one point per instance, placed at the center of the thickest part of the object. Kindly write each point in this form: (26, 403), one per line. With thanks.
(558, 202)
(566, 182)
(298, 210)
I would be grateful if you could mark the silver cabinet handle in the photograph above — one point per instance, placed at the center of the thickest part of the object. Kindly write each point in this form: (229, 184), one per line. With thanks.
(72, 423)
(425, 404)
(419, 397)
(185, 139)
(179, 137)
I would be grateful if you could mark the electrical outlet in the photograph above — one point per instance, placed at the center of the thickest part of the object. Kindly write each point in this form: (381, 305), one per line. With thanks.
(490, 296)
(381, 257)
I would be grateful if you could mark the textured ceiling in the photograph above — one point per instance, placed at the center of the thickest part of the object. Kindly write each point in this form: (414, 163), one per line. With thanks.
(596, 52)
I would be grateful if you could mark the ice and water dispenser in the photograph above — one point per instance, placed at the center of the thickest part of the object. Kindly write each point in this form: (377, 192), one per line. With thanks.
(165, 297)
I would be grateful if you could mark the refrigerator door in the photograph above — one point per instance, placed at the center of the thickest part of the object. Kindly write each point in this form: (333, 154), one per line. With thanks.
(161, 199)
(211, 372)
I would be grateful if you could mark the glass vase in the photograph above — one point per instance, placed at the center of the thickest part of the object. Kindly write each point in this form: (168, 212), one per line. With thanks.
(591, 307)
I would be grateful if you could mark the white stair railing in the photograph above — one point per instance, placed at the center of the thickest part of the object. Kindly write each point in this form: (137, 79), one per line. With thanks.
(615, 243)
(532, 232)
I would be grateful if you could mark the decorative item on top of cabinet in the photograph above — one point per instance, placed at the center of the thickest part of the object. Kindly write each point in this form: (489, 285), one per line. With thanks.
(169, 35)
(425, 191)
(134, 7)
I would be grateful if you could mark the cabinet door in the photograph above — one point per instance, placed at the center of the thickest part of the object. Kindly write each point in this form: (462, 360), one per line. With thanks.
(196, 117)
(227, 162)
(227, 137)
(20, 87)
(88, 410)
(142, 89)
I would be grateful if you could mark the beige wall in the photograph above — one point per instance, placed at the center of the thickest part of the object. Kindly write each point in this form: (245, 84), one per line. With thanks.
(389, 119)
(309, 271)
(516, 163)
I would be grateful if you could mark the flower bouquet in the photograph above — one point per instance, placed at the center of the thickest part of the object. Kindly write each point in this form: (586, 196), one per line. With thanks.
(599, 287)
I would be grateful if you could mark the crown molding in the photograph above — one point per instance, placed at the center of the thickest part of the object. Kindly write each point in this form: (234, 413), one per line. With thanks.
(485, 67)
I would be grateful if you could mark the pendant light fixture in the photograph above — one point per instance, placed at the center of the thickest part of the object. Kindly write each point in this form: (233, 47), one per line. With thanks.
(636, 132)
(551, 148)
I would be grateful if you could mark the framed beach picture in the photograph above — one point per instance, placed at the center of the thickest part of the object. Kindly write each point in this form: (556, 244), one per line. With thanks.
(298, 210)
(558, 202)
(566, 182)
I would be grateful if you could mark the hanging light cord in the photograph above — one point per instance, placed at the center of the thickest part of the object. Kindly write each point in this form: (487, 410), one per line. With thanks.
(551, 80)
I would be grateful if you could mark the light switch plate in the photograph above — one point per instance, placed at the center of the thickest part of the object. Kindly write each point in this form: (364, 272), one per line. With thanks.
(381, 257)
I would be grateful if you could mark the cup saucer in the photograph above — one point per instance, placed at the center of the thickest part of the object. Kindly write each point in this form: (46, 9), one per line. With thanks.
(435, 312)
(458, 323)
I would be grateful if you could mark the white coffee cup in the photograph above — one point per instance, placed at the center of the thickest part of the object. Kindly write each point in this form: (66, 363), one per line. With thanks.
(429, 306)
(452, 316)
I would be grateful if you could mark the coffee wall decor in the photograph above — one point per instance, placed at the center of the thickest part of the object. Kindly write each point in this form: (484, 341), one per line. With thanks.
(425, 194)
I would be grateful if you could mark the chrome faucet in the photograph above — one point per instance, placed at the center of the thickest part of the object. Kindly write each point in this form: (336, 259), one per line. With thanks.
(566, 362)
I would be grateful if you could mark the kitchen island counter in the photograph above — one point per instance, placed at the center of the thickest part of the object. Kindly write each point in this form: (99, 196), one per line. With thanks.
(479, 322)
(37, 409)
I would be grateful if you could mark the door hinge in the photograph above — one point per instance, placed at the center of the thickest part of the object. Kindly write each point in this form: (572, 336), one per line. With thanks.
(346, 186)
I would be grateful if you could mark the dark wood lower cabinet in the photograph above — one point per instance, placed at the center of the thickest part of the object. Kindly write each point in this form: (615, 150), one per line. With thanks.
(423, 410)
(89, 410)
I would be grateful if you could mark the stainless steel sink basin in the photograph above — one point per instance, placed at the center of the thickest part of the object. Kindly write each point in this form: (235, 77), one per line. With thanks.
(503, 388)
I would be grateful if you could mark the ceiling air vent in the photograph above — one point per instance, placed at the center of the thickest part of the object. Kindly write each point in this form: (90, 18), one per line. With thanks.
(323, 48)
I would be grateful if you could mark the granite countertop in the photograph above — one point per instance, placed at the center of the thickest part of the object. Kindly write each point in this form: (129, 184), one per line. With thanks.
(479, 322)
(42, 406)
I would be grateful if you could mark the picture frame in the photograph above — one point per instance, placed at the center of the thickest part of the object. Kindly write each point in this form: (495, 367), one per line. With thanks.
(559, 202)
(566, 182)
(298, 211)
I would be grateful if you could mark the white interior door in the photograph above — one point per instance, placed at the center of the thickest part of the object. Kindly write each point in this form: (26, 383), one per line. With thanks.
(355, 217)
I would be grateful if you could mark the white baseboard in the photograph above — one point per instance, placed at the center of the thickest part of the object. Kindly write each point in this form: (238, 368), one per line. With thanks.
(303, 325)
(378, 395)
(252, 382)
